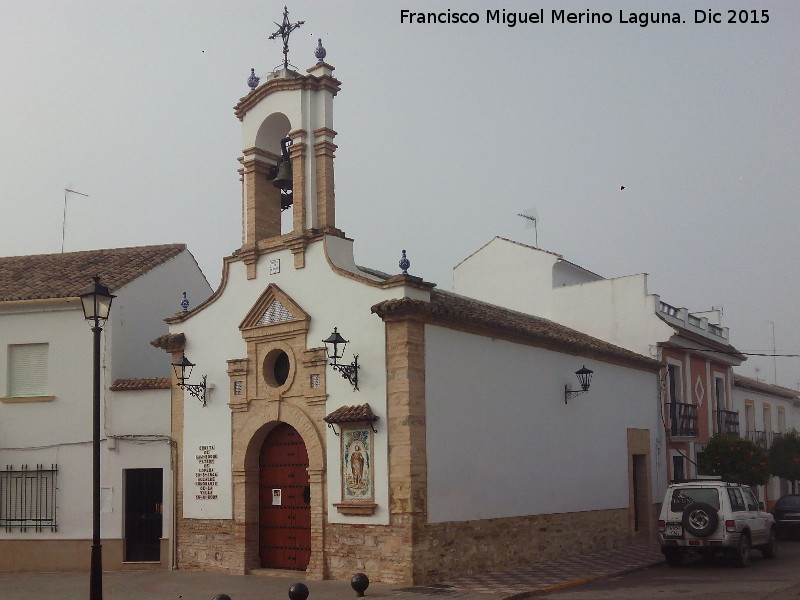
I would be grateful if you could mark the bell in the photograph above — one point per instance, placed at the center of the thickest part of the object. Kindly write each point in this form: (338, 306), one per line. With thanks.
(283, 179)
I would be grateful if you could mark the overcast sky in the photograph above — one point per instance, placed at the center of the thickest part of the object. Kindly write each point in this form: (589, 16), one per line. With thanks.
(445, 133)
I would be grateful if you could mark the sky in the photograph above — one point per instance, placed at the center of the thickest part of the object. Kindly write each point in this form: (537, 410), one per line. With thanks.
(446, 132)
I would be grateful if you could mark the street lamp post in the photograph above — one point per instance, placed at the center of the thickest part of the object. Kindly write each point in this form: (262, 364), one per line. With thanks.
(96, 302)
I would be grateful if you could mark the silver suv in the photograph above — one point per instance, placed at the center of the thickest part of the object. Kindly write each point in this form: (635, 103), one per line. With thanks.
(710, 517)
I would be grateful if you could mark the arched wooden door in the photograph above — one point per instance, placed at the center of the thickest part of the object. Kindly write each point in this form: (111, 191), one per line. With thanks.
(284, 501)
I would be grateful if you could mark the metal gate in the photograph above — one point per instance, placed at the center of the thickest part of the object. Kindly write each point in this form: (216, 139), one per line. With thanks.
(284, 501)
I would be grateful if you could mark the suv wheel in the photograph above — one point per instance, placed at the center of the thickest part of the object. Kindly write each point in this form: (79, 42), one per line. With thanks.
(673, 557)
(741, 554)
(700, 519)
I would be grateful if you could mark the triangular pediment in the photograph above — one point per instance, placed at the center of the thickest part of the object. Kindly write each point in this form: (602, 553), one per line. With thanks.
(274, 307)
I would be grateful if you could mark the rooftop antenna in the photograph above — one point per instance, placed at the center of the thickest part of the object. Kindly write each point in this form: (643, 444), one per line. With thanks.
(531, 219)
(64, 218)
(774, 354)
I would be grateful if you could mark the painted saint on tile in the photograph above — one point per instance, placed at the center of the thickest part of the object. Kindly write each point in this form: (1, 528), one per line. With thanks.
(357, 465)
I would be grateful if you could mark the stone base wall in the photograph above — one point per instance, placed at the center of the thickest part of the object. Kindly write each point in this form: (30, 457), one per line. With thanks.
(32, 556)
(208, 545)
(462, 548)
(383, 552)
(453, 549)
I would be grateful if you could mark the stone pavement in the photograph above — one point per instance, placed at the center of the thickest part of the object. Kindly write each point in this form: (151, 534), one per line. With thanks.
(187, 585)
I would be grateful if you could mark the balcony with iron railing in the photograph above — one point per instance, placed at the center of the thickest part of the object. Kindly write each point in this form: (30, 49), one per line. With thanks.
(727, 422)
(681, 419)
(763, 439)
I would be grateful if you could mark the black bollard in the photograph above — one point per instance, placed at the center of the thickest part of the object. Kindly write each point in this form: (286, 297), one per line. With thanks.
(359, 582)
(221, 597)
(298, 591)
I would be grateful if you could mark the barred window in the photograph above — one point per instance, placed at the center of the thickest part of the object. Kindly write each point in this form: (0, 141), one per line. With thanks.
(28, 498)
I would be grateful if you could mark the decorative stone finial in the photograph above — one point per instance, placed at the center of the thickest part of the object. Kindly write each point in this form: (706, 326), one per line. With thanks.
(320, 52)
(404, 263)
(253, 80)
(185, 303)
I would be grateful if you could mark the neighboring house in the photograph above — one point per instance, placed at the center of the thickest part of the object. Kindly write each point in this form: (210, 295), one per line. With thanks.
(456, 450)
(766, 412)
(694, 349)
(46, 389)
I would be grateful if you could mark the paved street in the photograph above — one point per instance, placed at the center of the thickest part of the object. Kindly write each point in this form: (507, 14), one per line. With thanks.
(184, 585)
(697, 579)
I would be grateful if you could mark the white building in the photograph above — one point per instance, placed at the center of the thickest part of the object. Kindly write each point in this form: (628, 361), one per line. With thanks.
(457, 448)
(46, 366)
(766, 412)
(694, 349)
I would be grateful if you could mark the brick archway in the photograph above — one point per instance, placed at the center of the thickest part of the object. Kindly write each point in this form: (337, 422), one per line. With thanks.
(254, 426)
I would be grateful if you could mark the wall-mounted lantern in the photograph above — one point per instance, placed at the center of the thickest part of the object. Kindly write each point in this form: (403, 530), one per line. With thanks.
(349, 372)
(183, 371)
(584, 378)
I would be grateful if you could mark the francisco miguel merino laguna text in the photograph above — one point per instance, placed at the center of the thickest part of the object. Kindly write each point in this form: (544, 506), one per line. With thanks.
(642, 19)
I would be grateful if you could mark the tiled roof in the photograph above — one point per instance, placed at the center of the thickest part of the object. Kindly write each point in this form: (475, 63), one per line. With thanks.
(755, 385)
(489, 319)
(68, 274)
(142, 383)
(358, 413)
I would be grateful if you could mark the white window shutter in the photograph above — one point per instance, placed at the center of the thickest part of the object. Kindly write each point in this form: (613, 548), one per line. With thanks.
(27, 370)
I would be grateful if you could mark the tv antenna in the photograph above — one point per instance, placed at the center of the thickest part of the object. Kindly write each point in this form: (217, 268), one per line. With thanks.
(531, 220)
(64, 218)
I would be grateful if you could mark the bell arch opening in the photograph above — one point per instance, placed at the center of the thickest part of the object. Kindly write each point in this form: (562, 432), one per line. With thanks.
(275, 128)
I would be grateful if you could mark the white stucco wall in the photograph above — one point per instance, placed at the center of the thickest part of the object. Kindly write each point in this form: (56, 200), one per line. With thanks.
(617, 310)
(60, 431)
(508, 274)
(501, 442)
(139, 310)
(331, 300)
(67, 418)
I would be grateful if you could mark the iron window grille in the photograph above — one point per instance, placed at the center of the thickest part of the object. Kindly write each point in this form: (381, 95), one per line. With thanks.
(28, 498)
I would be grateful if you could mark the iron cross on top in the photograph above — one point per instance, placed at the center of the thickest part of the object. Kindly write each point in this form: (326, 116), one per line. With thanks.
(284, 30)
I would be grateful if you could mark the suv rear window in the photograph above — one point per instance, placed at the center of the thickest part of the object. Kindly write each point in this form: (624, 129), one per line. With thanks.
(683, 497)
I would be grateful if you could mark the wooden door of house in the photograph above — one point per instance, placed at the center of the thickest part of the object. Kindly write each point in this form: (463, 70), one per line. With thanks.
(284, 501)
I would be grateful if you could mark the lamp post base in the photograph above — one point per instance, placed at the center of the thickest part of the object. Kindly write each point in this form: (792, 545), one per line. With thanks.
(96, 575)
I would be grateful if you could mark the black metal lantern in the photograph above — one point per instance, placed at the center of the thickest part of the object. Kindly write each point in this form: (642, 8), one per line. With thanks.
(332, 343)
(584, 379)
(181, 367)
(183, 371)
(96, 302)
(335, 339)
